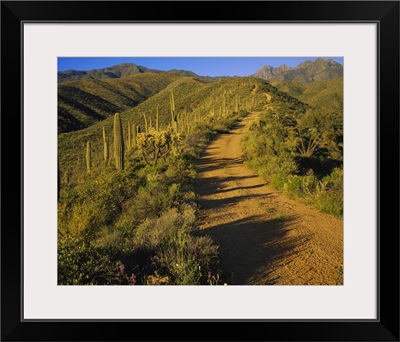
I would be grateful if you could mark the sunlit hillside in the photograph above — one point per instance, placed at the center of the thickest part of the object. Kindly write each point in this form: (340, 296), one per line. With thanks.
(85, 102)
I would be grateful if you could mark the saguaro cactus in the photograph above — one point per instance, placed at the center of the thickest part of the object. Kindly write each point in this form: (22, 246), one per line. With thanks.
(88, 157)
(105, 148)
(134, 135)
(146, 127)
(157, 122)
(224, 105)
(118, 143)
(66, 177)
(174, 115)
(129, 135)
(58, 180)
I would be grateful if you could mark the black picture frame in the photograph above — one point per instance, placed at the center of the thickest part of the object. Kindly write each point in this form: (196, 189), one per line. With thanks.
(385, 13)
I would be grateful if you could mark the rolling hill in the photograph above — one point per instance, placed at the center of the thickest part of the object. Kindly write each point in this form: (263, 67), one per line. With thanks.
(326, 94)
(85, 102)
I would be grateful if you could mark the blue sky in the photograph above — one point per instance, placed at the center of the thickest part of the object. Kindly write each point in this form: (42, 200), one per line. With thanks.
(203, 66)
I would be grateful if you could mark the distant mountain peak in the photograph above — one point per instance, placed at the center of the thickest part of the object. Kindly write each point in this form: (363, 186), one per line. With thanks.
(283, 67)
(306, 72)
(184, 73)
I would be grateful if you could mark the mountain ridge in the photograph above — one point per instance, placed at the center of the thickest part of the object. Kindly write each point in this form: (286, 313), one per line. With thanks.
(307, 72)
(115, 71)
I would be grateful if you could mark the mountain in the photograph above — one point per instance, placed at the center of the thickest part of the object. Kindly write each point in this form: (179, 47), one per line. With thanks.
(268, 72)
(116, 71)
(119, 71)
(307, 72)
(85, 102)
(183, 73)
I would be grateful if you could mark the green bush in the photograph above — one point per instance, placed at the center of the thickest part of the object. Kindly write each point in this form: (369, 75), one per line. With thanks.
(95, 202)
(301, 186)
(81, 264)
(329, 193)
(183, 257)
(274, 150)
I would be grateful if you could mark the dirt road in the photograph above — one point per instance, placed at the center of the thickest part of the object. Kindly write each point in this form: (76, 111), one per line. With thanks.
(265, 238)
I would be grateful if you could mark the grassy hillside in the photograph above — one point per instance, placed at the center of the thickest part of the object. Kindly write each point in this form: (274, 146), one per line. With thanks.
(194, 100)
(83, 103)
(323, 94)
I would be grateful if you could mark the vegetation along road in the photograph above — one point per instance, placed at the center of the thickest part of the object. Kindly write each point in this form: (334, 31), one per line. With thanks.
(265, 237)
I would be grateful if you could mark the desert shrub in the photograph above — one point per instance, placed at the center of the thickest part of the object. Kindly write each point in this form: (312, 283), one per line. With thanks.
(301, 185)
(183, 257)
(293, 185)
(180, 170)
(79, 263)
(329, 193)
(197, 140)
(276, 167)
(94, 203)
(152, 199)
(331, 203)
(292, 155)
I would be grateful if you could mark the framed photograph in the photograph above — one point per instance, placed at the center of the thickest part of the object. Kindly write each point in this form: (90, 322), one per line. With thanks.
(233, 155)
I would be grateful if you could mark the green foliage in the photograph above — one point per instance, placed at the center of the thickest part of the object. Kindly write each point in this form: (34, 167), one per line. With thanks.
(329, 193)
(94, 202)
(297, 149)
(81, 264)
(182, 258)
(152, 199)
